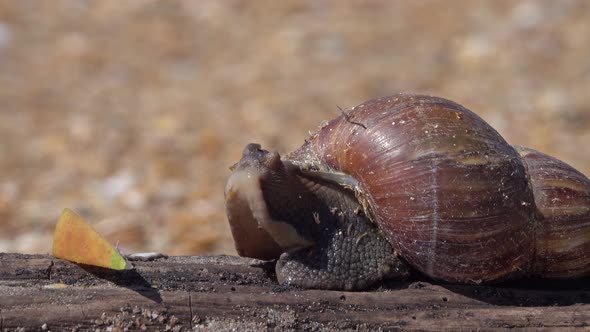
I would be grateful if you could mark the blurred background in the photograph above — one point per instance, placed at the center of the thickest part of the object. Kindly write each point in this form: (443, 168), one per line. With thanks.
(131, 112)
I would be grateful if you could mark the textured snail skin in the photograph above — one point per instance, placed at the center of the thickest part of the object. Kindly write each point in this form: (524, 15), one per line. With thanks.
(447, 192)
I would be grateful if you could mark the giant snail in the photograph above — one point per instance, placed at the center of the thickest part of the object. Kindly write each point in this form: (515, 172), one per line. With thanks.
(409, 182)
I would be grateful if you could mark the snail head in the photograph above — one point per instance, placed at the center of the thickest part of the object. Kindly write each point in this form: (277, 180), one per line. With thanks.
(255, 195)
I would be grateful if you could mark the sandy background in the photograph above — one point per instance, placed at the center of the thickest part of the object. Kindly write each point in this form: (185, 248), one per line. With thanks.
(130, 112)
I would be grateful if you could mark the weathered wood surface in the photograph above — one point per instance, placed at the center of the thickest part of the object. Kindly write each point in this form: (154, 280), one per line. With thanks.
(223, 293)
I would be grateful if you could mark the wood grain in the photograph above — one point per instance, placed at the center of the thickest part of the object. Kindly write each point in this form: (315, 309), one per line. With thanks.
(225, 292)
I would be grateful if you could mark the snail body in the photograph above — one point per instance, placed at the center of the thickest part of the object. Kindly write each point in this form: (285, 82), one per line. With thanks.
(410, 182)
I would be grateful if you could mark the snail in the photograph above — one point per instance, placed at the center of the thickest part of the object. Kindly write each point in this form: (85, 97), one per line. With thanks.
(409, 183)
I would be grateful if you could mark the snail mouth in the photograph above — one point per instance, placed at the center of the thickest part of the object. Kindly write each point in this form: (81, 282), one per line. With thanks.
(255, 233)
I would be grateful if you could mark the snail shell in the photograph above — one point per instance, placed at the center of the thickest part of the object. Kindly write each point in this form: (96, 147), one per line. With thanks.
(452, 197)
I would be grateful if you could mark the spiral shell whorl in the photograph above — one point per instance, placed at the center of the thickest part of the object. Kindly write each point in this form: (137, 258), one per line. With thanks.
(562, 197)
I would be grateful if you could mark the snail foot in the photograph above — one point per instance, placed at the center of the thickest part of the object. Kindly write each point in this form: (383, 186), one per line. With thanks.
(352, 260)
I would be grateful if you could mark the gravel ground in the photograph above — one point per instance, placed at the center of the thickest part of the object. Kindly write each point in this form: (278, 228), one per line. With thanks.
(130, 112)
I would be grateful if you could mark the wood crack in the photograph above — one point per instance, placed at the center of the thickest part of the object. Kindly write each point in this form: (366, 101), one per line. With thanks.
(190, 306)
(49, 270)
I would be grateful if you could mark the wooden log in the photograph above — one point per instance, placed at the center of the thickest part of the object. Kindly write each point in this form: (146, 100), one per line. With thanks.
(39, 292)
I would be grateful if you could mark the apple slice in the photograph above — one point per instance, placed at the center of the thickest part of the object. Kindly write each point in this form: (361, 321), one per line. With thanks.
(76, 241)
